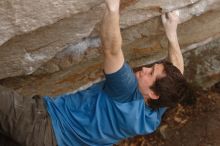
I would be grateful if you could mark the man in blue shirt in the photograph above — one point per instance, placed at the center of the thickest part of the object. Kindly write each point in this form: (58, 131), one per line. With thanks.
(125, 104)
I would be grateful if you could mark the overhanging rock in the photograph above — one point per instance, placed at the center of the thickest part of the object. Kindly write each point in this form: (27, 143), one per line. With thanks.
(34, 34)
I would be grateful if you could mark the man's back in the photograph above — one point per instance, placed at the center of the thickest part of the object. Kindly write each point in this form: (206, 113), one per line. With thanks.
(100, 115)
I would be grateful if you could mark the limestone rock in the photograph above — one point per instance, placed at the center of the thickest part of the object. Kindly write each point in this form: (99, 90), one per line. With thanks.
(21, 16)
(25, 53)
(35, 36)
(56, 43)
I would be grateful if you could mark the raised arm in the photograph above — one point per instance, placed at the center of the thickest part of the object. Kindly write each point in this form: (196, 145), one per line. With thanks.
(111, 38)
(170, 22)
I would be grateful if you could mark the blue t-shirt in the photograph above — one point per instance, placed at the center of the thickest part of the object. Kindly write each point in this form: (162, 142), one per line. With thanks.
(104, 113)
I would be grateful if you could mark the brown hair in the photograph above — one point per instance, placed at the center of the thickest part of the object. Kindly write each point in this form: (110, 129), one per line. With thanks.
(171, 89)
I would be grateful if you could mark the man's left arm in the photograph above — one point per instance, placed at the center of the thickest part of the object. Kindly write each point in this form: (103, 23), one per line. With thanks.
(170, 22)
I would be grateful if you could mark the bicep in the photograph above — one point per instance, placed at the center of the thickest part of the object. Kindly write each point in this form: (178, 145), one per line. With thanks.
(113, 62)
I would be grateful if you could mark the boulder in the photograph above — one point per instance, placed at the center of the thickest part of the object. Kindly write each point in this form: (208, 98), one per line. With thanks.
(56, 44)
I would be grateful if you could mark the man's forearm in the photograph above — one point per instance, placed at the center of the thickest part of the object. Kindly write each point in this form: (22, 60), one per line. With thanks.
(110, 32)
(174, 53)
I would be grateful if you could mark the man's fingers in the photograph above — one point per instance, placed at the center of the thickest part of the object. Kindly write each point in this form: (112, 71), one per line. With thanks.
(177, 13)
(113, 5)
(174, 14)
(170, 17)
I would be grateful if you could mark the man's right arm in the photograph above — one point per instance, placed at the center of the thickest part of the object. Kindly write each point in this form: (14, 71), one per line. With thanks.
(170, 23)
(111, 38)
(120, 80)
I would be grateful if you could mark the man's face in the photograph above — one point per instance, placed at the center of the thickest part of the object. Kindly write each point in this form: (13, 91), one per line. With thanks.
(147, 76)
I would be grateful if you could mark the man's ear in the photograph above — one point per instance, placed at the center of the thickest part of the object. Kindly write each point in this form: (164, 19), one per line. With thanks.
(153, 95)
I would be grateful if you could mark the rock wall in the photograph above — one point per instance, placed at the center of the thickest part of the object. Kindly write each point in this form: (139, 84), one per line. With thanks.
(53, 46)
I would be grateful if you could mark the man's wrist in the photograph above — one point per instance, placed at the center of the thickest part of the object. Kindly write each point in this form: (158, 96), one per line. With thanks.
(172, 37)
(173, 40)
(113, 11)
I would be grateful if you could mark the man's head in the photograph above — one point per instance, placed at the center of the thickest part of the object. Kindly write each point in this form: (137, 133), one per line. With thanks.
(163, 85)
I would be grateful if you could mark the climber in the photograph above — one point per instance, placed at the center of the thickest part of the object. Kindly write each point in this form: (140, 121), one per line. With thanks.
(125, 104)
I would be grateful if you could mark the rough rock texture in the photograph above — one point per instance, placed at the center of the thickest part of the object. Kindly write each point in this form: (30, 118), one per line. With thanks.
(50, 47)
(21, 16)
(66, 51)
(56, 44)
(49, 36)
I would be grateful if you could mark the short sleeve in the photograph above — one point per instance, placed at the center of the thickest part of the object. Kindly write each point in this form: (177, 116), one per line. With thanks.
(121, 85)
